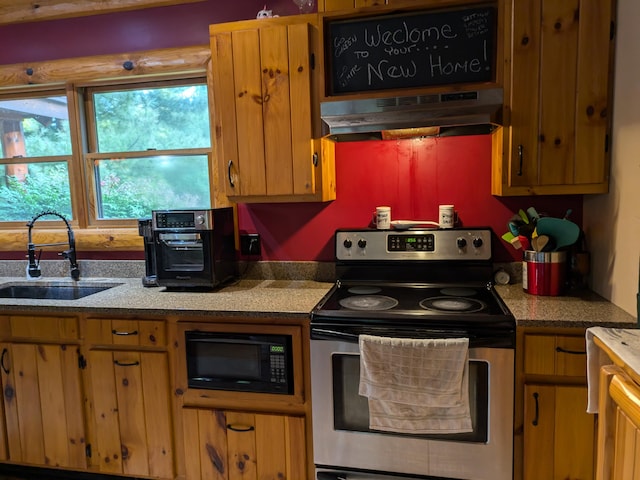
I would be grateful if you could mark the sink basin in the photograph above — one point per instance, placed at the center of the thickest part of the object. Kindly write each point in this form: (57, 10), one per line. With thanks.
(52, 292)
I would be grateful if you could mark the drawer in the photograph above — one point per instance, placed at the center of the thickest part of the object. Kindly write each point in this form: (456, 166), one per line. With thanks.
(143, 333)
(41, 327)
(564, 355)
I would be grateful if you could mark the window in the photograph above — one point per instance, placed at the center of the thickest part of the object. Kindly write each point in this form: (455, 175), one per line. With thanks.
(36, 156)
(143, 146)
(152, 145)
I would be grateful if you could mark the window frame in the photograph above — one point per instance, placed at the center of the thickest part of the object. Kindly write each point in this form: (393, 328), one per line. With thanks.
(71, 76)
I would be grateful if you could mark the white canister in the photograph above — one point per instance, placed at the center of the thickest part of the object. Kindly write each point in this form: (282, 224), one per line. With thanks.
(446, 216)
(382, 218)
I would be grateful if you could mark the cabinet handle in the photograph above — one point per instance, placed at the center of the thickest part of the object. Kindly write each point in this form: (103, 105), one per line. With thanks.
(4, 354)
(126, 364)
(240, 428)
(535, 420)
(570, 352)
(229, 173)
(117, 332)
(520, 159)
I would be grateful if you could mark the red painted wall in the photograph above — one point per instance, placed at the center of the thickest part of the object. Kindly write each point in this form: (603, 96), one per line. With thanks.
(411, 176)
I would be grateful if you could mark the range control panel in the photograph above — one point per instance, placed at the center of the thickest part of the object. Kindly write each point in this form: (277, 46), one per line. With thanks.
(445, 244)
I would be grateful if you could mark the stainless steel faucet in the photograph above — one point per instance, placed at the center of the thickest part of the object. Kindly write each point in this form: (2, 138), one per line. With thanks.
(33, 269)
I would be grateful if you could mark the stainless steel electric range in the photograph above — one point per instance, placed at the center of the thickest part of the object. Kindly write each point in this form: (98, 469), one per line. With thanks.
(412, 284)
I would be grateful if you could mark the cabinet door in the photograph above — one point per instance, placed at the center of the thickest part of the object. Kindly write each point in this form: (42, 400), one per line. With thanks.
(132, 414)
(559, 101)
(262, 104)
(558, 433)
(238, 445)
(43, 405)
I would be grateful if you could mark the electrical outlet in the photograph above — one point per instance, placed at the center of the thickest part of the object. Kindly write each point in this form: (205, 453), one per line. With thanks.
(250, 244)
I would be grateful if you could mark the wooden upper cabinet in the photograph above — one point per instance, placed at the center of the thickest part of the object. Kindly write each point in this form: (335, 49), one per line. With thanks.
(557, 96)
(265, 111)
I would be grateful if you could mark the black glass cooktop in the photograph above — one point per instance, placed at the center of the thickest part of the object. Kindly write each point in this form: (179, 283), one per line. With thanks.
(379, 300)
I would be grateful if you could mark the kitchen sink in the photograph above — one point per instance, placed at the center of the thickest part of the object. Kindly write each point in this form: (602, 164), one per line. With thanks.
(52, 292)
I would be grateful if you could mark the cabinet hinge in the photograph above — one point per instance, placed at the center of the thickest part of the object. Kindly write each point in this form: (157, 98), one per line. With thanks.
(82, 362)
(87, 450)
(606, 143)
(312, 61)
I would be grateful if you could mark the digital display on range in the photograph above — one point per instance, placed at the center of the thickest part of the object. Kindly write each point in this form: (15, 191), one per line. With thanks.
(409, 243)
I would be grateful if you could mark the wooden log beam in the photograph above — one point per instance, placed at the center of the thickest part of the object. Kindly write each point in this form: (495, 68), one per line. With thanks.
(185, 61)
(20, 11)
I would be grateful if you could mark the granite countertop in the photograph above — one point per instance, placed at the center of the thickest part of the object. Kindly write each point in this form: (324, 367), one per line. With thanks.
(286, 298)
(296, 298)
(581, 309)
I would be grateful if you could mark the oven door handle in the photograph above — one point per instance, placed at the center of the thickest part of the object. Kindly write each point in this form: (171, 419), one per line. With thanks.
(323, 334)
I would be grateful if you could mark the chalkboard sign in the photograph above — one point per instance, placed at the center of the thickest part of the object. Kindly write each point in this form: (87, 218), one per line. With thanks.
(411, 50)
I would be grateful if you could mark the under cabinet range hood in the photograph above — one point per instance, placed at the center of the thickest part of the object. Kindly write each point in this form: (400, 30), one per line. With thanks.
(411, 116)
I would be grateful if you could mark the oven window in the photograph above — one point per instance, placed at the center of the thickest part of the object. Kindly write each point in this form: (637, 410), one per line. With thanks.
(351, 410)
(182, 252)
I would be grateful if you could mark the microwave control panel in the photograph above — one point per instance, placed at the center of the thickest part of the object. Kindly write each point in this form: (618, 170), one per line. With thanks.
(278, 361)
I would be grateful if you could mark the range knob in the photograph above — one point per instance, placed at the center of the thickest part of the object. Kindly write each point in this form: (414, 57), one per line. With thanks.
(347, 243)
(461, 242)
(477, 242)
(362, 243)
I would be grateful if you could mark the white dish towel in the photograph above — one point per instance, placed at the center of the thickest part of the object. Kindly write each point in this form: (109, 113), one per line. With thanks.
(416, 385)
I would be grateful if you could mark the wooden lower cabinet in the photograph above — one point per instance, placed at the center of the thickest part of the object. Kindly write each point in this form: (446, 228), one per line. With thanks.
(558, 433)
(131, 413)
(229, 445)
(42, 402)
(618, 426)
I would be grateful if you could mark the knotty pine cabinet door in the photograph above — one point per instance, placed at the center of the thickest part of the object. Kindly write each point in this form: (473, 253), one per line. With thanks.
(131, 408)
(557, 98)
(43, 404)
(226, 445)
(264, 109)
(618, 425)
(559, 436)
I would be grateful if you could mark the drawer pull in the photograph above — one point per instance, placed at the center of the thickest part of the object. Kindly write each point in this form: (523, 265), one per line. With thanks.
(570, 352)
(535, 420)
(126, 364)
(240, 428)
(117, 332)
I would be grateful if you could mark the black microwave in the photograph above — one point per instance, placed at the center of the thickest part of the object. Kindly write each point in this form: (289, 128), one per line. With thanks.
(239, 362)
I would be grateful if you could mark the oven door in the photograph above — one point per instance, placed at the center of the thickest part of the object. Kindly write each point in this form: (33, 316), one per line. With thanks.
(342, 439)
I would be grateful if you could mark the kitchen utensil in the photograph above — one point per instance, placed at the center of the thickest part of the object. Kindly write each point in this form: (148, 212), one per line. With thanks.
(514, 229)
(533, 214)
(523, 216)
(542, 243)
(563, 232)
(524, 241)
(507, 237)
